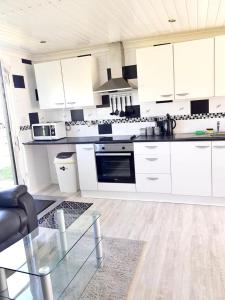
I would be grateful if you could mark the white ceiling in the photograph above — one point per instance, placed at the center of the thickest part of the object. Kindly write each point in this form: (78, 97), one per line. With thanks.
(71, 24)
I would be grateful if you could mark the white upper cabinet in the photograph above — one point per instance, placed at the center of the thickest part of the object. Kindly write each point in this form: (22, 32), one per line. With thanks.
(220, 65)
(67, 83)
(80, 79)
(155, 73)
(194, 69)
(50, 84)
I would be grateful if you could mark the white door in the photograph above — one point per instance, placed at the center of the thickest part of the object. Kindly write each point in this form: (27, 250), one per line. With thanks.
(191, 168)
(86, 167)
(219, 65)
(155, 73)
(77, 78)
(218, 168)
(194, 69)
(50, 85)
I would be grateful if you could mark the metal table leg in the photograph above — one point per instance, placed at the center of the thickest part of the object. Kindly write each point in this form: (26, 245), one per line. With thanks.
(3, 284)
(98, 243)
(46, 284)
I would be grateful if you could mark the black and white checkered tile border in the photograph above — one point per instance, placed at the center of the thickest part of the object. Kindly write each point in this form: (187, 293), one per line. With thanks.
(26, 127)
(137, 120)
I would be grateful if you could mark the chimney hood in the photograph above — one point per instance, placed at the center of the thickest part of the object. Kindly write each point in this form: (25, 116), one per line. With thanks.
(116, 60)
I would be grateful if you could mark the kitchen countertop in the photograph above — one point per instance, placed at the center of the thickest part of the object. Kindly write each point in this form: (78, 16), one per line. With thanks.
(126, 139)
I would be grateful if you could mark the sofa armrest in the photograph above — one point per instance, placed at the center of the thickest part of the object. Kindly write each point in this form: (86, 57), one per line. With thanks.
(19, 197)
(26, 202)
(10, 197)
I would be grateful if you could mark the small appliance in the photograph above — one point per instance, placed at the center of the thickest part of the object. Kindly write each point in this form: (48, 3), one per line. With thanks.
(49, 131)
(170, 125)
(167, 125)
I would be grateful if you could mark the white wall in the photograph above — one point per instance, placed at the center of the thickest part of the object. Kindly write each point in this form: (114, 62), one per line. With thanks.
(23, 101)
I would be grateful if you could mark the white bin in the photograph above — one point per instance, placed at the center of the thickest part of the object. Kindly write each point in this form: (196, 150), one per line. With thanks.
(66, 169)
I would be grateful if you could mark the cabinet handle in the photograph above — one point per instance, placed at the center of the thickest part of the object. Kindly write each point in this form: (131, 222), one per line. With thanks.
(87, 148)
(59, 103)
(151, 147)
(151, 158)
(71, 102)
(202, 147)
(219, 146)
(218, 106)
(166, 95)
(152, 178)
(182, 94)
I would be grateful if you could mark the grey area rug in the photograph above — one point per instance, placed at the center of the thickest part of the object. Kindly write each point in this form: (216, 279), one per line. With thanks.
(112, 282)
(72, 211)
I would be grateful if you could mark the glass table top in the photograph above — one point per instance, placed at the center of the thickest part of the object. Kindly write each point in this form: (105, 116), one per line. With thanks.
(42, 250)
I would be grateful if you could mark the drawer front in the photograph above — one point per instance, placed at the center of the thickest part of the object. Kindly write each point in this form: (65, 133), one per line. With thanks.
(152, 164)
(153, 183)
(152, 148)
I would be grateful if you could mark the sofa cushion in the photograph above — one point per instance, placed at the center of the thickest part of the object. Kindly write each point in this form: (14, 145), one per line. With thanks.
(12, 221)
(10, 197)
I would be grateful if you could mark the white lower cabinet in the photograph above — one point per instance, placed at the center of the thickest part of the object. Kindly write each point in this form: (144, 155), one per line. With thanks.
(191, 168)
(152, 167)
(152, 164)
(86, 167)
(153, 183)
(218, 168)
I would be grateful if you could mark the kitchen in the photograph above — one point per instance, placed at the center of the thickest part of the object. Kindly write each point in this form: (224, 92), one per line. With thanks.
(173, 88)
(118, 107)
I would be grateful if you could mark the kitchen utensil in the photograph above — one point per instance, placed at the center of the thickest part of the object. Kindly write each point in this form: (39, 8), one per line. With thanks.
(131, 105)
(122, 113)
(112, 104)
(126, 110)
(116, 111)
(150, 131)
(157, 131)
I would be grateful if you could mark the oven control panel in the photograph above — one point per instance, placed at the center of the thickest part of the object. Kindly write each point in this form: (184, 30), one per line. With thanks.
(115, 147)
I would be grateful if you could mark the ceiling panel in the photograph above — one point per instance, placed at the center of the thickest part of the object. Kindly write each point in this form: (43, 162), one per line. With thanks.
(69, 24)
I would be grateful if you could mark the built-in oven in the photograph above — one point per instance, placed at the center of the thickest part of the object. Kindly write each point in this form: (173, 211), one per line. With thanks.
(115, 163)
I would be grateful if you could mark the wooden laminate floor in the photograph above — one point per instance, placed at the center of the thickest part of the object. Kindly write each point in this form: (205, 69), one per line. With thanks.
(184, 254)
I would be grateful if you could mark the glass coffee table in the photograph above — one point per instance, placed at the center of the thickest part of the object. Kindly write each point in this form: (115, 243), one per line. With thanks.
(51, 263)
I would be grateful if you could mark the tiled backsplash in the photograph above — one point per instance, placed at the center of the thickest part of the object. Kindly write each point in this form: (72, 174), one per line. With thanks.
(208, 111)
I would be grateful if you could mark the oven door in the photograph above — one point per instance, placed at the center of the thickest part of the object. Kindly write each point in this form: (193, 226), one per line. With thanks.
(41, 132)
(115, 167)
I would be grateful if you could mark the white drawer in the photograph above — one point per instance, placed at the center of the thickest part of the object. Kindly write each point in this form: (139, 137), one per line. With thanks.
(152, 148)
(152, 163)
(153, 183)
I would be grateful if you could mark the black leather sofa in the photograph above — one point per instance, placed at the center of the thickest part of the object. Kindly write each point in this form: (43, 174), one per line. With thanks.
(17, 215)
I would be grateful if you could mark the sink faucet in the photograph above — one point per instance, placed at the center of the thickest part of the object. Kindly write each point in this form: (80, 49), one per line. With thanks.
(218, 126)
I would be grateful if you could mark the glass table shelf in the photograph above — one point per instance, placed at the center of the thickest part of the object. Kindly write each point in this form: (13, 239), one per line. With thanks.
(45, 262)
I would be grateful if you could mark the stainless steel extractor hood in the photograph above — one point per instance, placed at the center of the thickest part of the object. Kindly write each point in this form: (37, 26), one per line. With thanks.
(116, 61)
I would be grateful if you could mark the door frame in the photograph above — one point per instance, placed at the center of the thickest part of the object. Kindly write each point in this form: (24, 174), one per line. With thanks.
(8, 125)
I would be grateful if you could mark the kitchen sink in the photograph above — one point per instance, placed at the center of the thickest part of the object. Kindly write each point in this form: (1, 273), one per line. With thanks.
(218, 134)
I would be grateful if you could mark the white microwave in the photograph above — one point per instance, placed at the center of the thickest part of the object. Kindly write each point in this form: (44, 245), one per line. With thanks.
(49, 131)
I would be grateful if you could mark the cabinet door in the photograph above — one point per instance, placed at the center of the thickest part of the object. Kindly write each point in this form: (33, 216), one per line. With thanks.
(194, 69)
(155, 73)
(218, 168)
(86, 167)
(77, 78)
(219, 65)
(50, 85)
(191, 168)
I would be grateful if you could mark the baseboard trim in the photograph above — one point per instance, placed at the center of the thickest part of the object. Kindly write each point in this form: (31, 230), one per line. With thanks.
(153, 197)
